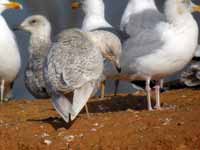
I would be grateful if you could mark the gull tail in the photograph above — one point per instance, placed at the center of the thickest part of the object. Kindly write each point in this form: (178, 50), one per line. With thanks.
(80, 98)
(62, 106)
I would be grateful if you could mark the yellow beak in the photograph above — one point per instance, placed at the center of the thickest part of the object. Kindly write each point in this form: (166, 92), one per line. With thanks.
(196, 8)
(75, 5)
(13, 5)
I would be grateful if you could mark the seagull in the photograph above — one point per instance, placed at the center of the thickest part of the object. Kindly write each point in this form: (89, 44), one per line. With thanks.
(138, 11)
(10, 61)
(74, 64)
(157, 47)
(40, 41)
(94, 20)
(191, 76)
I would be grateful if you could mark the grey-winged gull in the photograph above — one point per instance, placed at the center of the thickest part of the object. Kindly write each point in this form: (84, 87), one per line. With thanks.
(138, 11)
(74, 64)
(10, 61)
(161, 49)
(94, 20)
(40, 42)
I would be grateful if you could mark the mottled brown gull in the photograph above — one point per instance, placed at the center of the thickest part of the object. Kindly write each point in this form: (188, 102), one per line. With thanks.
(40, 41)
(74, 64)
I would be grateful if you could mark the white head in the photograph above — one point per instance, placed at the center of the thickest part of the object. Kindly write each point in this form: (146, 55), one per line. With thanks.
(37, 25)
(134, 7)
(174, 8)
(109, 45)
(94, 14)
(6, 4)
(95, 7)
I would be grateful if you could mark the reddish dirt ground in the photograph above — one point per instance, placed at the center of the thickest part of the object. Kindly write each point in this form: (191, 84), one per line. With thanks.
(116, 123)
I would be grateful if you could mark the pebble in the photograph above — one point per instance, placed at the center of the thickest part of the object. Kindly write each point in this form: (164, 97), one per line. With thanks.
(69, 138)
(47, 142)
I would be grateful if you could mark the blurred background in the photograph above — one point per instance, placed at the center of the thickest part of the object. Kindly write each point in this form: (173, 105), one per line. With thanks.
(61, 16)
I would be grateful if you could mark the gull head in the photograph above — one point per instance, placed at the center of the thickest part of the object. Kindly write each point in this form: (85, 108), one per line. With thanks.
(181, 6)
(36, 24)
(6, 4)
(89, 6)
(109, 46)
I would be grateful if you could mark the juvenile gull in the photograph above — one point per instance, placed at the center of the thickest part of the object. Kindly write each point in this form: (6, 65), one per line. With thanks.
(10, 61)
(191, 76)
(74, 64)
(40, 41)
(94, 20)
(158, 51)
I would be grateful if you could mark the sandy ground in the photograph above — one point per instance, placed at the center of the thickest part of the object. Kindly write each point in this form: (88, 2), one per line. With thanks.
(116, 123)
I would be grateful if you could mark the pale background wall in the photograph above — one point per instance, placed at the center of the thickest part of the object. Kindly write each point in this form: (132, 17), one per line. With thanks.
(61, 17)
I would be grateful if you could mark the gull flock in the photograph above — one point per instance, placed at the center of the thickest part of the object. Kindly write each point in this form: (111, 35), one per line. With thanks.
(149, 46)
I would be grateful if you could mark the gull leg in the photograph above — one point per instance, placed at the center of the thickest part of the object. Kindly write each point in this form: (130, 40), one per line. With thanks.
(157, 91)
(2, 90)
(148, 89)
(103, 83)
(116, 87)
(87, 111)
(161, 83)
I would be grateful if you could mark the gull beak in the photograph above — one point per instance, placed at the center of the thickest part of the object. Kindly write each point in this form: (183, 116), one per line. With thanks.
(75, 5)
(195, 8)
(118, 67)
(13, 5)
(17, 28)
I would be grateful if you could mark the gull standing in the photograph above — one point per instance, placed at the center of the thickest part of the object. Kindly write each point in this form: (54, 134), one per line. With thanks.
(94, 20)
(10, 61)
(40, 42)
(137, 12)
(74, 64)
(162, 48)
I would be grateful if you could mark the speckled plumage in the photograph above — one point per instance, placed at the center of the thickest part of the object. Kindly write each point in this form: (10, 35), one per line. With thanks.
(74, 64)
(191, 76)
(40, 42)
(33, 76)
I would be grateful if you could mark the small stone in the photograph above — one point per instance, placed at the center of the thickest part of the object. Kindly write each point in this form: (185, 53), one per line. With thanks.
(44, 135)
(93, 130)
(130, 110)
(96, 124)
(69, 138)
(47, 142)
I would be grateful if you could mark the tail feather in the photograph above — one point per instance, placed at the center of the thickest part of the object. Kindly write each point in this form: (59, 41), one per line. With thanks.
(62, 106)
(81, 96)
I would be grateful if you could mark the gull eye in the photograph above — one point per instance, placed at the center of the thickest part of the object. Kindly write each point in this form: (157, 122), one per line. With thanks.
(33, 21)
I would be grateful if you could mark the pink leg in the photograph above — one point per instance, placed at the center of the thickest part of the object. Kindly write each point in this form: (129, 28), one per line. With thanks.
(87, 111)
(148, 90)
(157, 91)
